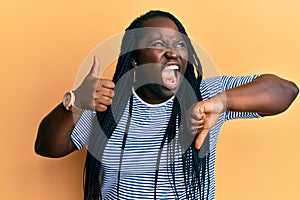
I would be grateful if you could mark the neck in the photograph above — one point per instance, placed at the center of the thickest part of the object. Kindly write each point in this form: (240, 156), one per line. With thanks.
(152, 95)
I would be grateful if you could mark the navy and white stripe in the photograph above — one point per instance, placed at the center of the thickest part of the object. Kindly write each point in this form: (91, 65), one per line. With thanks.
(81, 133)
(146, 130)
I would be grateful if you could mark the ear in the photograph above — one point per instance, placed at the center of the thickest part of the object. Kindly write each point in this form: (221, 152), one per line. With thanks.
(133, 63)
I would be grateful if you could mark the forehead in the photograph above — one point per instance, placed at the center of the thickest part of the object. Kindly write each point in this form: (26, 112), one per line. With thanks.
(161, 22)
(159, 28)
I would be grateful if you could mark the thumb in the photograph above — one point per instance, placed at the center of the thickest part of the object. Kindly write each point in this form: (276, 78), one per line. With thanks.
(200, 138)
(96, 67)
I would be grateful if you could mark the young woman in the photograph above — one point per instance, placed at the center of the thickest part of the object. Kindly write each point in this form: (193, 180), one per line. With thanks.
(152, 130)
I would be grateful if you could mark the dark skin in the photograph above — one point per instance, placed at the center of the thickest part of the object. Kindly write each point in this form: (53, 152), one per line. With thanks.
(267, 95)
(53, 139)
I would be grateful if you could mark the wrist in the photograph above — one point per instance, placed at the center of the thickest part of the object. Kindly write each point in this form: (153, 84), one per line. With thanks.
(69, 103)
(221, 102)
(77, 102)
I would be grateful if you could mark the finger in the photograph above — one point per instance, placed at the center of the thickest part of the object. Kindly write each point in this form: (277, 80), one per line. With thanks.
(105, 83)
(195, 114)
(200, 138)
(195, 130)
(104, 100)
(100, 107)
(105, 92)
(202, 134)
(194, 122)
(95, 67)
(201, 109)
(108, 93)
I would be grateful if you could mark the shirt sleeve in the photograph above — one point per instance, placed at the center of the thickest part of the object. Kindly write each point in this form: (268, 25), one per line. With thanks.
(212, 86)
(83, 128)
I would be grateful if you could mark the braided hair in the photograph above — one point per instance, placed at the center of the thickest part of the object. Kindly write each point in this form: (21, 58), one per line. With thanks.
(194, 167)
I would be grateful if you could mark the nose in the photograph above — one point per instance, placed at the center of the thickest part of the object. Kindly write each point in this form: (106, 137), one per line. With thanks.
(171, 54)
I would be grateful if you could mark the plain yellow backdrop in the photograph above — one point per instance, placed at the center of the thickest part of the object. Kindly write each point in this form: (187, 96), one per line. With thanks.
(43, 43)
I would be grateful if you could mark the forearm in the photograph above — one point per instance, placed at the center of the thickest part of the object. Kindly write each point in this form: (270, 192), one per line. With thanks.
(266, 95)
(53, 139)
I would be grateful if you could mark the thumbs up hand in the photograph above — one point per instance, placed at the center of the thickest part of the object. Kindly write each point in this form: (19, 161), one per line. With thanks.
(94, 93)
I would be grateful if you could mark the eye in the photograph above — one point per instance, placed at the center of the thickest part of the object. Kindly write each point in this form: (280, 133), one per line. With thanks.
(158, 44)
(181, 44)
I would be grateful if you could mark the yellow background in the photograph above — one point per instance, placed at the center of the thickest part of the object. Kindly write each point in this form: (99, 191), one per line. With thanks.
(43, 43)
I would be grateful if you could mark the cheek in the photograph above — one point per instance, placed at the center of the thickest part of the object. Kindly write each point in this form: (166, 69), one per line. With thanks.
(149, 74)
(142, 57)
(183, 54)
(184, 65)
(149, 55)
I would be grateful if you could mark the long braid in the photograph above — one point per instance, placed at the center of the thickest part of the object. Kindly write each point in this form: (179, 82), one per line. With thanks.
(108, 122)
(193, 172)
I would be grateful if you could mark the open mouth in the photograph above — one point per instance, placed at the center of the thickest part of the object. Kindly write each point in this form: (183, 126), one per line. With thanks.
(170, 76)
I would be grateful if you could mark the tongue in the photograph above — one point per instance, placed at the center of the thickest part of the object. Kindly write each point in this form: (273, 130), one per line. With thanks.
(169, 77)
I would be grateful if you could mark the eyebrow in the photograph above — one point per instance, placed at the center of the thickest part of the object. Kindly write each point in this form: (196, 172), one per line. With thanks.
(161, 39)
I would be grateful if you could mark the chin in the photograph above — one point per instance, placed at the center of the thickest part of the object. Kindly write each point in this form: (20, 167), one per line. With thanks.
(168, 92)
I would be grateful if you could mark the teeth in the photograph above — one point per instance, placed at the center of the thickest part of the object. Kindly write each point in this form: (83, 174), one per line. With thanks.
(172, 67)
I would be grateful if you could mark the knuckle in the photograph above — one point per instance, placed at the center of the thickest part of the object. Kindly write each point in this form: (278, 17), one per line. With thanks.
(112, 84)
(109, 101)
(95, 96)
(101, 108)
(112, 93)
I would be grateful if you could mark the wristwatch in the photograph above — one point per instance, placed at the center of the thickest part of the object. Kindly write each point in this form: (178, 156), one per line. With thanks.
(68, 102)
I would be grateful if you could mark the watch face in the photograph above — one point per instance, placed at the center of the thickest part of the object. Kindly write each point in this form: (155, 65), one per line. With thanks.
(67, 99)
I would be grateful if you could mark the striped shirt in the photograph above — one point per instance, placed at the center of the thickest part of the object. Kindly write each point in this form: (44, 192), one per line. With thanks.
(139, 158)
